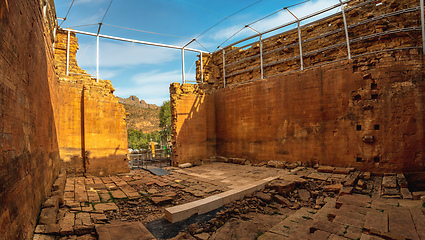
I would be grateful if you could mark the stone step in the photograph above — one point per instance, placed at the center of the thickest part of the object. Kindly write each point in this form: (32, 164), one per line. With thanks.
(184, 211)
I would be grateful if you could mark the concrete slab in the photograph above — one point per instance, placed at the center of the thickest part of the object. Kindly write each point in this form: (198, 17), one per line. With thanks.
(123, 231)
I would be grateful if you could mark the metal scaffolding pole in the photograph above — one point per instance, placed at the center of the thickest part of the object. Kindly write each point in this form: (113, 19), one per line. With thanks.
(261, 50)
(299, 38)
(67, 53)
(423, 26)
(346, 29)
(224, 67)
(183, 74)
(97, 53)
(183, 70)
(202, 69)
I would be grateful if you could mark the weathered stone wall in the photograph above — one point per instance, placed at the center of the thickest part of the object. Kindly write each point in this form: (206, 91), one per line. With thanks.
(91, 122)
(281, 52)
(193, 120)
(337, 115)
(366, 112)
(29, 154)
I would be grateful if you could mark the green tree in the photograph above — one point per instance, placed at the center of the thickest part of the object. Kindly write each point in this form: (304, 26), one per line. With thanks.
(165, 120)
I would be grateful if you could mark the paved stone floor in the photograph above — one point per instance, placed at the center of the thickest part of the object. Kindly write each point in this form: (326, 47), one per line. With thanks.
(322, 203)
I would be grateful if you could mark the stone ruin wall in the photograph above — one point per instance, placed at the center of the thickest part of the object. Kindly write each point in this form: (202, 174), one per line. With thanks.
(366, 112)
(91, 122)
(281, 52)
(29, 160)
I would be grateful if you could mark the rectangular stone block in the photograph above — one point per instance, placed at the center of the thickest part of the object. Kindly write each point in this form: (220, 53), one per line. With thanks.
(208, 204)
(180, 212)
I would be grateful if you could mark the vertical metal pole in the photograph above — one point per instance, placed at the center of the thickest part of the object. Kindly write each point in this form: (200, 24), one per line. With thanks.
(423, 26)
(347, 37)
(97, 59)
(67, 53)
(183, 75)
(224, 68)
(301, 46)
(261, 56)
(202, 69)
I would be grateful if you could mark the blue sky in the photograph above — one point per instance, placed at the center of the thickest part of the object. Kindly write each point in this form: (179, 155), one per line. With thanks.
(147, 71)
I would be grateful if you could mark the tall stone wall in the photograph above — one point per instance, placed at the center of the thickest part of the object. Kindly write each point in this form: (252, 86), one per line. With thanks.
(372, 26)
(193, 123)
(366, 112)
(333, 115)
(91, 121)
(29, 154)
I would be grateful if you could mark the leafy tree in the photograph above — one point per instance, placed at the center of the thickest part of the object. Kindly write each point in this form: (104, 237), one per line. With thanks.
(165, 120)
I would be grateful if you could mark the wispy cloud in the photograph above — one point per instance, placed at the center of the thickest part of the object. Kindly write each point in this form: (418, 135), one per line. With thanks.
(274, 21)
(88, 1)
(121, 54)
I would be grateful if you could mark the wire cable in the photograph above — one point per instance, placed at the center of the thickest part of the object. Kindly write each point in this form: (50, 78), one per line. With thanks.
(228, 17)
(106, 11)
(69, 9)
(146, 31)
(85, 25)
(231, 37)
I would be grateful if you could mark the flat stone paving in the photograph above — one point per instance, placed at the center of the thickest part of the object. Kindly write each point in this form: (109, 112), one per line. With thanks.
(89, 203)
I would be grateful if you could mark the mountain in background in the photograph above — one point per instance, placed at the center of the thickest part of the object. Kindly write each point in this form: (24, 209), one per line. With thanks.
(141, 115)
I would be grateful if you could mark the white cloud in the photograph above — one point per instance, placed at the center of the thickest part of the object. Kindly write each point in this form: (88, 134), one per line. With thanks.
(119, 54)
(88, 1)
(152, 86)
(276, 20)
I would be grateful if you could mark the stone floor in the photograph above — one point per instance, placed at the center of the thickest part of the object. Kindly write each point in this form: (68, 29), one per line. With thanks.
(322, 203)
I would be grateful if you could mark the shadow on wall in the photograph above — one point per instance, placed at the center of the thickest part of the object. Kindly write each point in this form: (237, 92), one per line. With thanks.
(193, 121)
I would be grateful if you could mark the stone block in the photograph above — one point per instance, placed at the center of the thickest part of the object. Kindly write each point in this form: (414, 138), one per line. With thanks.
(48, 216)
(106, 207)
(405, 193)
(47, 229)
(376, 222)
(208, 204)
(180, 212)
(389, 181)
(326, 169)
(133, 230)
(418, 195)
(51, 202)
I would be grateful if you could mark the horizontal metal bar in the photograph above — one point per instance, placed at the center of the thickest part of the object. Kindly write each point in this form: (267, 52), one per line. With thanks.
(327, 34)
(290, 23)
(135, 41)
(331, 47)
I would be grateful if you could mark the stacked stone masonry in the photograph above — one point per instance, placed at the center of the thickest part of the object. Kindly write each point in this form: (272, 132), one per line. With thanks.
(366, 112)
(394, 24)
(29, 153)
(92, 128)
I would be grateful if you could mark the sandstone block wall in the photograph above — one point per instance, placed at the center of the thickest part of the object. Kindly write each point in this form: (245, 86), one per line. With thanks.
(193, 120)
(91, 121)
(281, 52)
(366, 112)
(29, 153)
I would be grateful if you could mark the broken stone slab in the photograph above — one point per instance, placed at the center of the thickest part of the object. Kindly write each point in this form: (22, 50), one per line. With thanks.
(43, 237)
(402, 181)
(390, 191)
(240, 161)
(83, 229)
(185, 165)
(389, 181)
(47, 229)
(161, 200)
(106, 207)
(376, 222)
(282, 187)
(48, 216)
(67, 224)
(291, 165)
(326, 169)
(98, 217)
(282, 200)
(340, 170)
(418, 195)
(345, 190)
(133, 230)
(333, 187)
(51, 202)
(331, 227)
(319, 176)
(304, 195)
(264, 197)
(276, 164)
